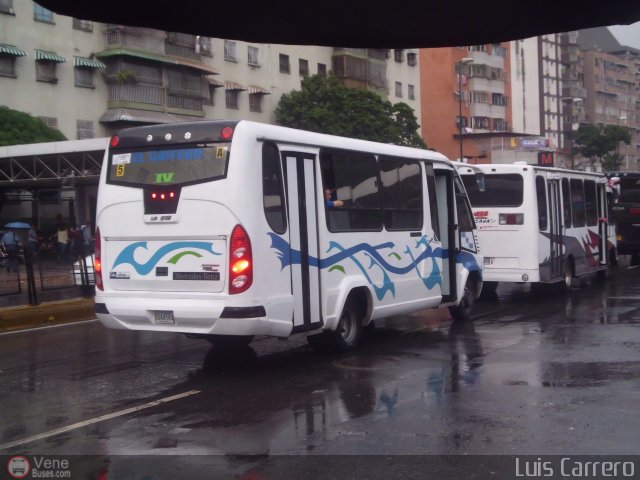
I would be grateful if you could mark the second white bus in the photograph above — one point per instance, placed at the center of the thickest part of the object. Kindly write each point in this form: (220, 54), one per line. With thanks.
(221, 230)
(539, 224)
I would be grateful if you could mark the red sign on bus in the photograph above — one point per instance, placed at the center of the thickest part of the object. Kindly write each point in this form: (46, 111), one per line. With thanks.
(545, 159)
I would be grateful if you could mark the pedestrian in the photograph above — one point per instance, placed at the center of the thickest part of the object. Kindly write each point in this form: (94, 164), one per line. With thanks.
(62, 242)
(87, 238)
(33, 243)
(11, 245)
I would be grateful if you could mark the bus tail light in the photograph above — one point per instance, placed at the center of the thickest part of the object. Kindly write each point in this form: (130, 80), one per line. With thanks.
(240, 261)
(511, 219)
(98, 261)
(635, 211)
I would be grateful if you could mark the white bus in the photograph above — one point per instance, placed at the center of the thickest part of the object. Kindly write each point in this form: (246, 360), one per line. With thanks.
(539, 224)
(221, 230)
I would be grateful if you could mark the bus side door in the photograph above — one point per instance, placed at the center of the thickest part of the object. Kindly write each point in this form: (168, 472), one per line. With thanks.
(300, 184)
(445, 197)
(603, 223)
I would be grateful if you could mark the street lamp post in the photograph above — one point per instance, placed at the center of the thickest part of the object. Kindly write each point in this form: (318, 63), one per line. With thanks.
(572, 102)
(461, 62)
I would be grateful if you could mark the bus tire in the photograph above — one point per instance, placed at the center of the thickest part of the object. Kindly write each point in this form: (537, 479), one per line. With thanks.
(568, 276)
(226, 342)
(488, 289)
(462, 311)
(349, 331)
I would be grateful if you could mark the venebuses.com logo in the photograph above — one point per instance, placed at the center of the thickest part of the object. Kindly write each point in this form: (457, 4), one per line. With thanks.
(38, 467)
(18, 467)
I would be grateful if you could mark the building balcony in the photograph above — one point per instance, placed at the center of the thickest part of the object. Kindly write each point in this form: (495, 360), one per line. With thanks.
(122, 37)
(152, 96)
(181, 51)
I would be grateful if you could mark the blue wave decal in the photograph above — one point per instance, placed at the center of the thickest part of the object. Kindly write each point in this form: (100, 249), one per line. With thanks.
(289, 256)
(469, 262)
(126, 255)
(387, 284)
(434, 278)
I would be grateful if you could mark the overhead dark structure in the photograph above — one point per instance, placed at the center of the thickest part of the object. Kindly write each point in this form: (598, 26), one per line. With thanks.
(359, 23)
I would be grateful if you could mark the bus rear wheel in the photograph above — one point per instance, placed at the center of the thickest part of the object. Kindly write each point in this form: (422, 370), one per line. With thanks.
(462, 311)
(567, 275)
(345, 337)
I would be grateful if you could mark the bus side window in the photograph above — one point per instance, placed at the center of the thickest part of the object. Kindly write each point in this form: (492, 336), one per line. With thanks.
(272, 191)
(591, 202)
(577, 202)
(353, 178)
(541, 195)
(566, 202)
(401, 193)
(465, 219)
(433, 201)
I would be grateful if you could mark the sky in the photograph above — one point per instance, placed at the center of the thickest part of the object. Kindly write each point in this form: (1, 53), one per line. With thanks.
(627, 35)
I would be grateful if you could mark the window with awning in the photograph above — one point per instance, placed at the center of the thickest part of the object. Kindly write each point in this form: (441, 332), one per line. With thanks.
(83, 71)
(82, 62)
(8, 55)
(11, 50)
(46, 65)
(46, 56)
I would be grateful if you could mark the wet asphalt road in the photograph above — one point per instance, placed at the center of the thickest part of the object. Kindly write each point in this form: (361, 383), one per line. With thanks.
(536, 373)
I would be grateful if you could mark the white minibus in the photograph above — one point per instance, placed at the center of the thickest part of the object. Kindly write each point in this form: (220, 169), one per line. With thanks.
(229, 229)
(539, 224)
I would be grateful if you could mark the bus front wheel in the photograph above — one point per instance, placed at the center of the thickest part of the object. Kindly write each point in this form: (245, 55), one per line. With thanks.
(462, 311)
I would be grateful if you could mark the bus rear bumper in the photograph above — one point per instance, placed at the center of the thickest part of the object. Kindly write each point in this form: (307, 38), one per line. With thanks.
(510, 275)
(201, 317)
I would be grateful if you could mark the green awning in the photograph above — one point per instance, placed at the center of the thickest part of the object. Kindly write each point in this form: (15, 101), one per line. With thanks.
(88, 62)
(43, 55)
(12, 50)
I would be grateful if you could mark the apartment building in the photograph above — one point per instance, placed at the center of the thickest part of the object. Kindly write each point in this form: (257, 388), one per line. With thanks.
(611, 78)
(537, 102)
(602, 87)
(465, 100)
(89, 79)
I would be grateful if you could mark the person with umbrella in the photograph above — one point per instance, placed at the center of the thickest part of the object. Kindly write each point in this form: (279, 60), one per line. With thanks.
(11, 243)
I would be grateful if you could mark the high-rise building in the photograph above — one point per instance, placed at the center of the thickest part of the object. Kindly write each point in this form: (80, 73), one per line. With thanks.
(610, 75)
(465, 95)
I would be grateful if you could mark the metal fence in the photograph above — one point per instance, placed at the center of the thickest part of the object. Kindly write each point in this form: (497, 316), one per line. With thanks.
(48, 273)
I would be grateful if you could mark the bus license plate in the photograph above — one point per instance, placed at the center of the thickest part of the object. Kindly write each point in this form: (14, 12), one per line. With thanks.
(488, 260)
(163, 316)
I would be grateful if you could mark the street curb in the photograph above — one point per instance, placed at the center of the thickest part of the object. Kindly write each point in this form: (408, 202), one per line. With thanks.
(48, 313)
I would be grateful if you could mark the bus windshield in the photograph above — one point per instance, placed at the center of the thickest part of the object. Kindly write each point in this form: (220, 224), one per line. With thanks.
(169, 166)
(500, 190)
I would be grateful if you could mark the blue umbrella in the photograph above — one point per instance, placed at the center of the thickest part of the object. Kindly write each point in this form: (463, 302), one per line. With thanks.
(17, 225)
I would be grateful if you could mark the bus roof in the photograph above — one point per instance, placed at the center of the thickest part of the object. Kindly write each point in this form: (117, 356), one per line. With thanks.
(519, 167)
(208, 130)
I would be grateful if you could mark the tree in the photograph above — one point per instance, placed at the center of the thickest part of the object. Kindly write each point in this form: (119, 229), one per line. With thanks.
(599, 141)
(17, 128)
(326, 106)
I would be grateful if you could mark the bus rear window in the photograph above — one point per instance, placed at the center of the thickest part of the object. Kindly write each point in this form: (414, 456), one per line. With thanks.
(500, 190)
(629, 190)
(170, 166)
